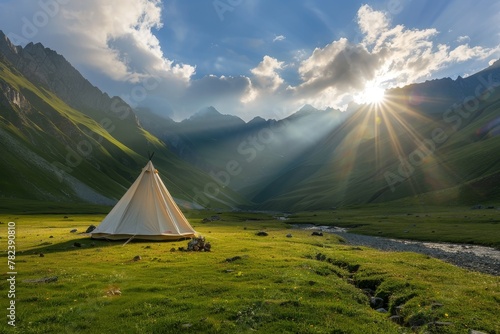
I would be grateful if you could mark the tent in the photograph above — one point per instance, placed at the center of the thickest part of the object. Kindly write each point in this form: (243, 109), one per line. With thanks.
(146, 211)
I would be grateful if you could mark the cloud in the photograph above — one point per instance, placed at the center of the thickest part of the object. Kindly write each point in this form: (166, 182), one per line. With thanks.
(340, 64)
(279, 38)
(121, 36)
(465, 52)
(266, 84)
(372, 23)
(266, 75)
(116, 39)
(385, 56)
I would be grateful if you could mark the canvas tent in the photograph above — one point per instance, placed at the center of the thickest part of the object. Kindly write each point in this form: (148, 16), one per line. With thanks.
(146, 211)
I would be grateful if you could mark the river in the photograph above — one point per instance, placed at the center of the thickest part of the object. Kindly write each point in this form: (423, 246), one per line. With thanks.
(472, 257)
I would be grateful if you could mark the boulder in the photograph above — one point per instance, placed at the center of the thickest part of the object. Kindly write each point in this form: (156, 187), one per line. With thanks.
(376, 302)
(90, 228)
(42, 280)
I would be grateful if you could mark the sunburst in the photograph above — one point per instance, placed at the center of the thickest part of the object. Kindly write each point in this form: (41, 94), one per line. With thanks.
(372, 94)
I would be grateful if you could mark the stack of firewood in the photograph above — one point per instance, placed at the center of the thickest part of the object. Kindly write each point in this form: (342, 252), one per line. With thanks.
(199, 245)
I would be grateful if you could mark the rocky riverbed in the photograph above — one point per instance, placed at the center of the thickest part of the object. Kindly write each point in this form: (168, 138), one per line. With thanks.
(473, 257)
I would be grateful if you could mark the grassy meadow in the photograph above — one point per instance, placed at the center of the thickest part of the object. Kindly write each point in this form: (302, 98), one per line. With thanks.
(247, 283)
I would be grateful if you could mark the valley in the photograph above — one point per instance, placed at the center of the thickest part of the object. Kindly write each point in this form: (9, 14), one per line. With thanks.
(246, 166)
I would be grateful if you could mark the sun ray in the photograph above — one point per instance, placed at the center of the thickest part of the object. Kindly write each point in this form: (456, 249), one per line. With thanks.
(348, 149)
(406, 129)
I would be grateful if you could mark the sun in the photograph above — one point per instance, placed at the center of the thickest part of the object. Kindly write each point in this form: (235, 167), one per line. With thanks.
(372, 94)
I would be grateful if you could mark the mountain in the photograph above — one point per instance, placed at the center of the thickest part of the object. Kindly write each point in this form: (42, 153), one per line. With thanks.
(433, 142)
(47, 69)
(437, 95)
(261, 149)
(64, 140)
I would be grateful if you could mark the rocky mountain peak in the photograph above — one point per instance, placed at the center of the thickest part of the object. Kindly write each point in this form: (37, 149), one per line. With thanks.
(208, 112)
(6, 45)
(49, 69)
(257, 120)
(211, 115)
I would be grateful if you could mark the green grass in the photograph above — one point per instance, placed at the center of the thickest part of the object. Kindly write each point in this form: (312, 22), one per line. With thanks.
(303, 284)
(424, 223)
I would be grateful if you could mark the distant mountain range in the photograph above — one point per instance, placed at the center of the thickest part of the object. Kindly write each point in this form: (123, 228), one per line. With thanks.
(445, 131)
(64, 140)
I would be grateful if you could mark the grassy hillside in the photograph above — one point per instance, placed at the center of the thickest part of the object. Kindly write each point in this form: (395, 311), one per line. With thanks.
(248, 283)
(52, 152)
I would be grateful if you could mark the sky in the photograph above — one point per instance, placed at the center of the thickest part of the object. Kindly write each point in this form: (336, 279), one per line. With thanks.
(258, 58)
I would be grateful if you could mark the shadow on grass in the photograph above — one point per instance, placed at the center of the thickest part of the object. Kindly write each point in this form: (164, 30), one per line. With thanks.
(25, 207)
(84, 242)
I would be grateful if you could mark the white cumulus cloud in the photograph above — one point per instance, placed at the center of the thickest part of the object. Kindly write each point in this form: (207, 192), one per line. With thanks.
(279, 38)
(266, 75)
(387, 55)
(114, 37)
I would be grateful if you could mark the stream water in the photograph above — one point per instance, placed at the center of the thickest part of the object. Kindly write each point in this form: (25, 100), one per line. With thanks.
(473, 257)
